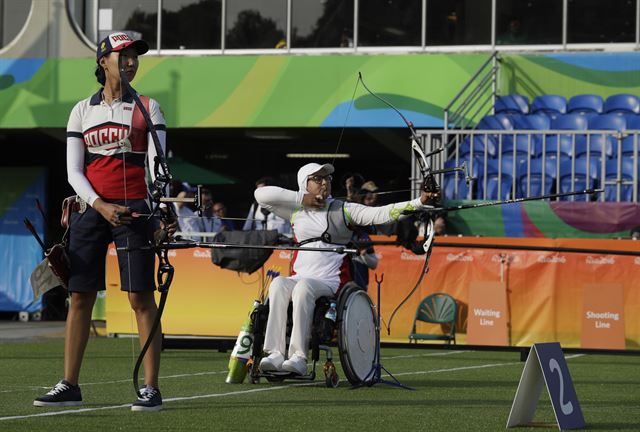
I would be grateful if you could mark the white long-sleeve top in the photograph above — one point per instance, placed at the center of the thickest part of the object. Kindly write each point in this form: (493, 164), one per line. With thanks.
(308, 223)
(99, 130)
(75, 165)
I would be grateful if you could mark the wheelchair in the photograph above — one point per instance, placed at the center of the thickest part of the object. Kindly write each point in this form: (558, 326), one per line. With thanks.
(354, 331)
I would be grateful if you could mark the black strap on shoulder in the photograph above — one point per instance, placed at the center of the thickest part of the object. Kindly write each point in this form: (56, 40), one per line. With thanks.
(326, 235)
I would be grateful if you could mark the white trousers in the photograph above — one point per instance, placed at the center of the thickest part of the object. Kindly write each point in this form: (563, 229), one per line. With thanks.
(304, 294)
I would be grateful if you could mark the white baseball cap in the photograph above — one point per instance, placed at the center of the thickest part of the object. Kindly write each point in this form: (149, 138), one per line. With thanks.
(117, 42)
(310, 169)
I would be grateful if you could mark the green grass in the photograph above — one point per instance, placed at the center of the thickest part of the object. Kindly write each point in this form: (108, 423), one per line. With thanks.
(460, 390)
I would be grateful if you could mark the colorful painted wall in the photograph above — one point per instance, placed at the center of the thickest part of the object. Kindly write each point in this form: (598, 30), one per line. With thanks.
(547, 219)
(568, 74)
(19, 251)
(247, 91)
(315, 91)
(304, 90)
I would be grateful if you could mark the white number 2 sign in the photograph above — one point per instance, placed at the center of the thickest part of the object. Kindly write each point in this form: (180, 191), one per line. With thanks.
(567, 408)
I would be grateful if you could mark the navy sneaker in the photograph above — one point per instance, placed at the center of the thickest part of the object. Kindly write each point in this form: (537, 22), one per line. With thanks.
(62, 394)
(151, 400)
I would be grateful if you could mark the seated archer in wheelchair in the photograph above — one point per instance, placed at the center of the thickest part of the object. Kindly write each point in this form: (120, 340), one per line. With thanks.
(318, 221)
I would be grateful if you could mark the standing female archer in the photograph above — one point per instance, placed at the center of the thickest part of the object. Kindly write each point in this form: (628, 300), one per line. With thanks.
(107, 143)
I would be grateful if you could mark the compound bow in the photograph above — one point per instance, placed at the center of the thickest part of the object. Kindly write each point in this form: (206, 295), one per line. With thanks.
(158, 192)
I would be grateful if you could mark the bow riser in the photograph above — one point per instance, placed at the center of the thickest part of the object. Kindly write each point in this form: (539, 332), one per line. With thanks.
(162, 180)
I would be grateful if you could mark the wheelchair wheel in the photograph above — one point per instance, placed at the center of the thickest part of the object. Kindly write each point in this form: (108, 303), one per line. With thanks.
(356, 334)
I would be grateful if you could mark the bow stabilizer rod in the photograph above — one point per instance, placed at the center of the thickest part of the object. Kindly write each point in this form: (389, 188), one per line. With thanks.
(516, 200)
(214, 245)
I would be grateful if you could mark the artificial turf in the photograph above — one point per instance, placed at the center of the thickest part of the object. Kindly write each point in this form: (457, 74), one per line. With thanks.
(453, 390)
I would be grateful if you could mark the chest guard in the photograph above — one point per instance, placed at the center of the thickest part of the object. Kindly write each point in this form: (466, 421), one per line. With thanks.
(337, 231)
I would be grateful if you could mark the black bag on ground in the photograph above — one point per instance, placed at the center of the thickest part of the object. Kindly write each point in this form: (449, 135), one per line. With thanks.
(242, 259)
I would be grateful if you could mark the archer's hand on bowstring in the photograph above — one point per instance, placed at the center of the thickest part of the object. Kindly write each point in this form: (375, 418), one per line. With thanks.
(429, 198)
(170, 227)
(314, 201)
(115, 214)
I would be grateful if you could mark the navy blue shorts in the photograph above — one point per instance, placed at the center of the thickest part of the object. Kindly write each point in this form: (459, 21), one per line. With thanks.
(89, 237)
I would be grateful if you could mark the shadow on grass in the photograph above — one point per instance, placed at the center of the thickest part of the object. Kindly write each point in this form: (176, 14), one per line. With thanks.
(34, 357)
(348, 403)
(611, 426)
(468, 384)
(628, 360)
(598, 382)
(610, 403)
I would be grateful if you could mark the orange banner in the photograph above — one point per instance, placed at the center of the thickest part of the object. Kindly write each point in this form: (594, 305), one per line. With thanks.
(544, 290)
(488, 317)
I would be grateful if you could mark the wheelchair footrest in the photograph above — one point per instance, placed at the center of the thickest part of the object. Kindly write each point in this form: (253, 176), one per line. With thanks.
(277, 376)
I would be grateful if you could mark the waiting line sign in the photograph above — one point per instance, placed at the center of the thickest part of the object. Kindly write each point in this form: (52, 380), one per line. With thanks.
(488, 319)
(546, 365)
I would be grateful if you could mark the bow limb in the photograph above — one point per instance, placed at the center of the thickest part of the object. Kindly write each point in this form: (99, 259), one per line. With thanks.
(429, 182)
(162, 180)
(427, 247)
(429, 185)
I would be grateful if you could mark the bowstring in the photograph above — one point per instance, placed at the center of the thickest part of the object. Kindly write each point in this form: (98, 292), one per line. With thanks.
(126, 203)
(344, 125)
(346, 119)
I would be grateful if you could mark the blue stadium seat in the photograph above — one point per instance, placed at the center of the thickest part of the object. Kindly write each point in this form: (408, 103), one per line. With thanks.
(611, 122)
(550, 105)
(479, 141)
(628, 146)
(511, 168)
(538, 186)
(570, 122)
(522, 149)
(514, 168)
(633, 124)
(580, 179)
(495, 180)
(622, 104)
(585, 104)
(465, 191)
(490, 141)
(612, 178)
(495, 122)
(512, 104)
(538, 122)
(564, 147)
(522, 145)
(604, 144)
(608, 122)
(599, 146)
(449, 182)
(633, 121)
(565, 143)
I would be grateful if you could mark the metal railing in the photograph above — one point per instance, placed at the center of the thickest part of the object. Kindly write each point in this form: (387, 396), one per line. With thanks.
(504, 164)
(476, 98)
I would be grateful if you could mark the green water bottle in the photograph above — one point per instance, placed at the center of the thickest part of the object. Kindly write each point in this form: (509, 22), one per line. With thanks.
(241, 352)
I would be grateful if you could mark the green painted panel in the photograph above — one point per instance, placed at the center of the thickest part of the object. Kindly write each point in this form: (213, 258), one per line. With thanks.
(303, 90)
(534, 75)
(246, 91)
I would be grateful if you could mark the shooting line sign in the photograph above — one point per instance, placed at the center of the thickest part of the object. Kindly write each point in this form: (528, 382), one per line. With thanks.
(546, 365)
